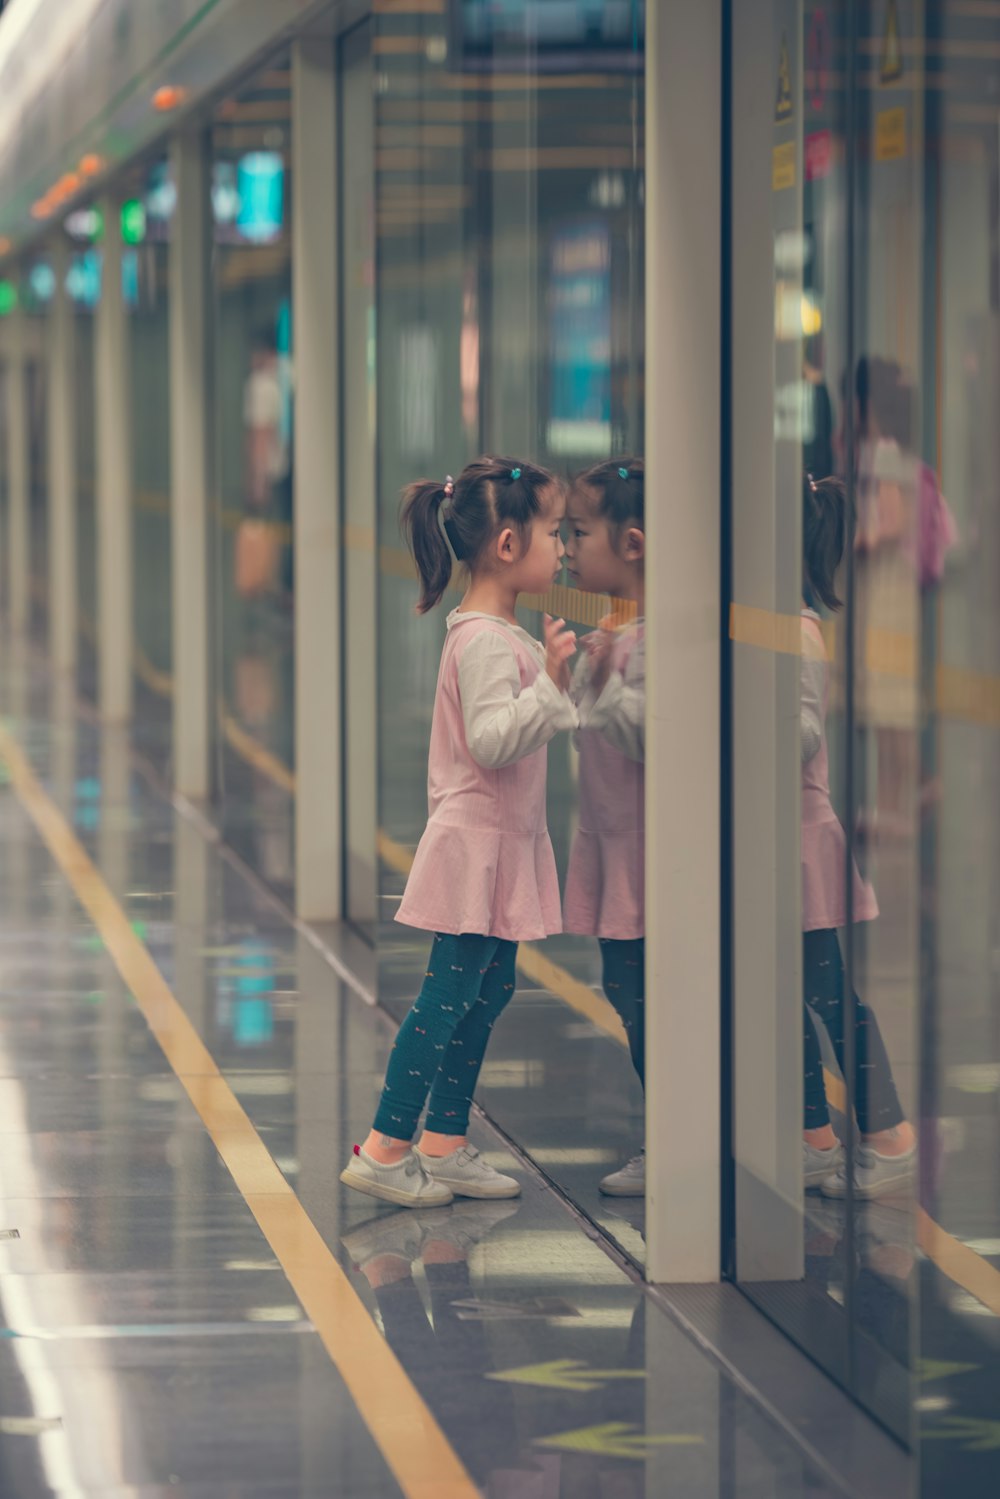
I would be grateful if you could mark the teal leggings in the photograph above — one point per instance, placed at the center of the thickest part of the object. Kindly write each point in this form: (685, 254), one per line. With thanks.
(441, 1043)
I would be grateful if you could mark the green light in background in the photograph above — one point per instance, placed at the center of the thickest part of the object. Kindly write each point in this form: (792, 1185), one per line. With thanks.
(133, 222)
(8, 297)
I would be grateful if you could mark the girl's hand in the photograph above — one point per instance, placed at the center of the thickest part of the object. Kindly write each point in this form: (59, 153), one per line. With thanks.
(598, 647)
(560, 645)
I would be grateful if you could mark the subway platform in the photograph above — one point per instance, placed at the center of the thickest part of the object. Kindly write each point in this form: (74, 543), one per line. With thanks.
(192, 1305)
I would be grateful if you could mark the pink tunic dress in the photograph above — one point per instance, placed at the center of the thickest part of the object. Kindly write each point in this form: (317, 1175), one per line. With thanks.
(824, 843)
(485, 862)
(605, 883)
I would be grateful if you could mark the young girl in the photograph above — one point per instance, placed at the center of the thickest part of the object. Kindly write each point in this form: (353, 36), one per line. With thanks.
(605, 892)
(886, 1159)
(484, 875)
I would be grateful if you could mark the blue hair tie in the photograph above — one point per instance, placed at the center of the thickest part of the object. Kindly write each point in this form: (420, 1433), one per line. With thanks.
(623, 473)
(515, 473)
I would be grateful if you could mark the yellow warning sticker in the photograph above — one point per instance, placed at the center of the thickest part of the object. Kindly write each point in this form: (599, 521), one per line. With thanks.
(890, 135)
(783, 106)
(783, 167)
(891, 70)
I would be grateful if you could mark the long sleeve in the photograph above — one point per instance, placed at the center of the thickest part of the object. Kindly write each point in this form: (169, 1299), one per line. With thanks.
(812, 684)
(618, 713)
(503, 721)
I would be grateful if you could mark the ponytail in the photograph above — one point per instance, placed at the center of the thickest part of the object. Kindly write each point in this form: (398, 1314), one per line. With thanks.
(488, 494)
(420, 517)
(827, 532)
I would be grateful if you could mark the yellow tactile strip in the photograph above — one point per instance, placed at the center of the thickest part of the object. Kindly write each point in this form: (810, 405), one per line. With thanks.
(413, 1445)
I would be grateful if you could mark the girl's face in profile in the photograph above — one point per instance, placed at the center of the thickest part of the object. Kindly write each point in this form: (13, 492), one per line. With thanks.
(593, 559)
(540, 564)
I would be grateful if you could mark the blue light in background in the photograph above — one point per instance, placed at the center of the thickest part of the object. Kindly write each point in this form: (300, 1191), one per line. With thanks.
(260, 183)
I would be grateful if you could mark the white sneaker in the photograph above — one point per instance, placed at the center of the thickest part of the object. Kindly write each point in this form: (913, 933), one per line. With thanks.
(630, 1181)
(466, 1174)
(818, 1164)
(405, 1183)
(397, 1233)
(875, 1175)
(466, 1224)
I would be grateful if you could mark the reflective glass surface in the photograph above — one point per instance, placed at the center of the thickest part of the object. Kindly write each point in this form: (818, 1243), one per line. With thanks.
(864, 749)
(509, 309)
(251, 287)
(148, 216)
(36, 293)
(85, 290)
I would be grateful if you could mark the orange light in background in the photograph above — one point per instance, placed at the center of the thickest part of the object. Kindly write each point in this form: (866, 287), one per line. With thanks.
(91, 164)
(170, 96)
(68, 184)
(4, 244)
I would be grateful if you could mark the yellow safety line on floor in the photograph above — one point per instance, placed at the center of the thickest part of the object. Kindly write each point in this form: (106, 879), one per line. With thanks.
(253, 752)
(409, 1438)
(967, 695)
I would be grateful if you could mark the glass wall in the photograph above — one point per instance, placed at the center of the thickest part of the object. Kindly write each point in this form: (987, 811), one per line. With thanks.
(864, 737)
(254, 483)
(84, 283)
(149, 198)
(509, 297)
(37, 289)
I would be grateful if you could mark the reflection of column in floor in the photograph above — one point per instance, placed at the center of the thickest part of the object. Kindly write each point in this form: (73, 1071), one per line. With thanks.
(113, 859)
(448, 1358)
(683, 1396)
(883, 1283)
(193, 912)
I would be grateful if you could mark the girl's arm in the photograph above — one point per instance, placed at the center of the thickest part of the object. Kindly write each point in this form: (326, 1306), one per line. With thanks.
(503, 720)
(618, 713)
(812, 689)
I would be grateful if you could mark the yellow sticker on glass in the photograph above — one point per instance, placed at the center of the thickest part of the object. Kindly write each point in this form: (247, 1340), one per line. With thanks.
(890, 134)
(783, 166)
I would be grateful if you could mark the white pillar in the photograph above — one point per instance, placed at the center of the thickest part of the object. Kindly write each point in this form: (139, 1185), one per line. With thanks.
(190, 460)
(683, 433)
(18, 506)
(317, 502)
(62, 471)
(113, 410)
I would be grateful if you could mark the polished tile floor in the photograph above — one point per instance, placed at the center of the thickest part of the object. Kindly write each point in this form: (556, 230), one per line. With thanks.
(152, 1341)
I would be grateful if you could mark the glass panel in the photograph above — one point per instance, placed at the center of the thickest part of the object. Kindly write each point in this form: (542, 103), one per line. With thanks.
(252, 288)
(510, 303)
(864, 750)
(357, 310)
(893, 302)
(84, 284)
(959, 779)
(788, 341)
(37, 290)
(149, 203)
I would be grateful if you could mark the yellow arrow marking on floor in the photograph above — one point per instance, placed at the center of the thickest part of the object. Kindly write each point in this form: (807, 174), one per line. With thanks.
(565, 1374)
(975, 1433)
(616, 1439)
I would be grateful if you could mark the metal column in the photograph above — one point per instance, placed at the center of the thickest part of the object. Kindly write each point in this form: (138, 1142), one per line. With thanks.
(683, 432)
(190, 467)
(114, 481)
(318, 758)
(62, 465)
